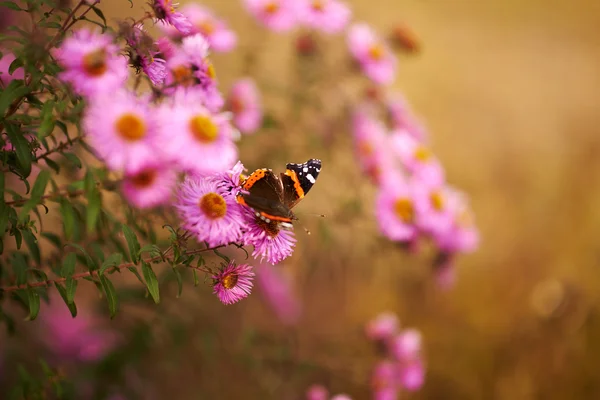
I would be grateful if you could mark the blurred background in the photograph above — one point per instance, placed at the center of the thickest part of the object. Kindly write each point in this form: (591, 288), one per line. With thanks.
(510, 93)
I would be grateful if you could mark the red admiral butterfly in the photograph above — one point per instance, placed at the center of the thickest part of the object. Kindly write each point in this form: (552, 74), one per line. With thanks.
(272, 197)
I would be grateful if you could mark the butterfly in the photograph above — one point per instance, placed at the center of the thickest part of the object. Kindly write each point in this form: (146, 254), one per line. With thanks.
(272, 197)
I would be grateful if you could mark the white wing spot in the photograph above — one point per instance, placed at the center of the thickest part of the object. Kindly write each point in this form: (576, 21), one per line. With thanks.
(305, 169)
(310, 178)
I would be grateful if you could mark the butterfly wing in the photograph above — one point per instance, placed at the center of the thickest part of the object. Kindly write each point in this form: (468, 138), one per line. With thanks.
(264, 194)
(298, 179)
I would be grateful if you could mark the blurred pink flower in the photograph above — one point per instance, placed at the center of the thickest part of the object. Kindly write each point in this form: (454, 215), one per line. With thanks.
(233, 282)
(277, 15)
(396, 207)
(92, 63)
(416, 158)
(372, 53)
(406, 346)
(5, 76)
(462, 235)
(166, 48)
(370, 139)
(164, 10)
(278, 291)
(383, 326)
(78, 339)
(329, 16)
(412, 375)
(341, 397)
(122, 129)
(402, 117)
(220, 37)
(244, 102)
(317, 392)
(434, 214)
(384, 375)
(149, 186)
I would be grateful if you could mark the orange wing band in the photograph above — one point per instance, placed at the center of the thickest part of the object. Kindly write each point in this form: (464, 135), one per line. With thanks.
(297, 186)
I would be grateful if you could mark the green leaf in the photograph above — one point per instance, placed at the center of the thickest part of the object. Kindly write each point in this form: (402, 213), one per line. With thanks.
(68, 265)
(68, 218)
(63, 294)
(179, 282)
(113, 260)
(53, 238)
(99, 13)
(71, 287)
(11, 5)
(17, 63)
(3, 216)
(152, 249)
(47, 124)
(94, 201)
(72, 158)
(32, 244)
(111, 295)
(132, 243)
(196, 281)
(21, 146)
(51, 24)
(39, 187)
(134, 271)
(19, 267)
(34, 303)
(18, 238)
(151, 281)
(89, 261)
(14, 91)
(52, 164)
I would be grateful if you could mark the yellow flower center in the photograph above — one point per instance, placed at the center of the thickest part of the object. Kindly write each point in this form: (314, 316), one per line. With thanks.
(422, 154)
(437, 201)
(143, 179)
(270, 228)
(130, 127)
(376, 52)
(213, 205)
(94, 63)
(229, 281)
(271, 8)
(404, 210)
(204, 129)
(212, 73)
(206, 27)
(318, 5)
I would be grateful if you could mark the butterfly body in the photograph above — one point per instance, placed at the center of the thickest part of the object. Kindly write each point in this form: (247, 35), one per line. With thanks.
(272, 196)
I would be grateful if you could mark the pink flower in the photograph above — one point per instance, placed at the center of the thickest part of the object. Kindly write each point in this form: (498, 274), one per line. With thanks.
(244, 102)
(143, 55)
(5, 76)
(317, 392)
(278, 291)
(92, 63)
(370, 144)
(387, 393)
(166, 48)
(406, 346)
(277, 15)
(233, 282)
(230, 179)
(416, 158)
(215, 30)
(122, 129)
(396, 208)
(412, 375)
(195, 138)
(383, 326)
(403, 119)
(434, 213)
(462, 234)
(341, 397)
(270, 240)
(384, 375)
(372, 53)
(149, 186)
(79, 339)
(209, 212)
(164, 10)
(329, 16)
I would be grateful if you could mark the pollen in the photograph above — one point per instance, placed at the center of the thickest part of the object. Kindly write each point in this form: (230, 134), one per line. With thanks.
(206, 27)
(271, 8)
(213, 205)
(422, 154)
(183, 75)
(271, 228)
(94, 63)
(437, 201)
(130, 127)
(376, 52)
(404, 210)
(143, 179)
(204, 129)
(229, 281)
(318, 5)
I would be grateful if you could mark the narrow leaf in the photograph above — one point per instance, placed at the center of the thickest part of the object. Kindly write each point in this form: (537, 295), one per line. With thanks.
(32, 244)
(132, 243)
(111, 295)
(151, 281)
(21, 146)
(34, 303)
(68, 266)
(112, 261)
(134, 271)
(71, 287)
(63, 294)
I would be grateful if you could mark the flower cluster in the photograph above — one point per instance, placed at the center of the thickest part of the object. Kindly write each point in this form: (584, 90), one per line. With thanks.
(413, 201)
(402, 367)
(318, 392)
